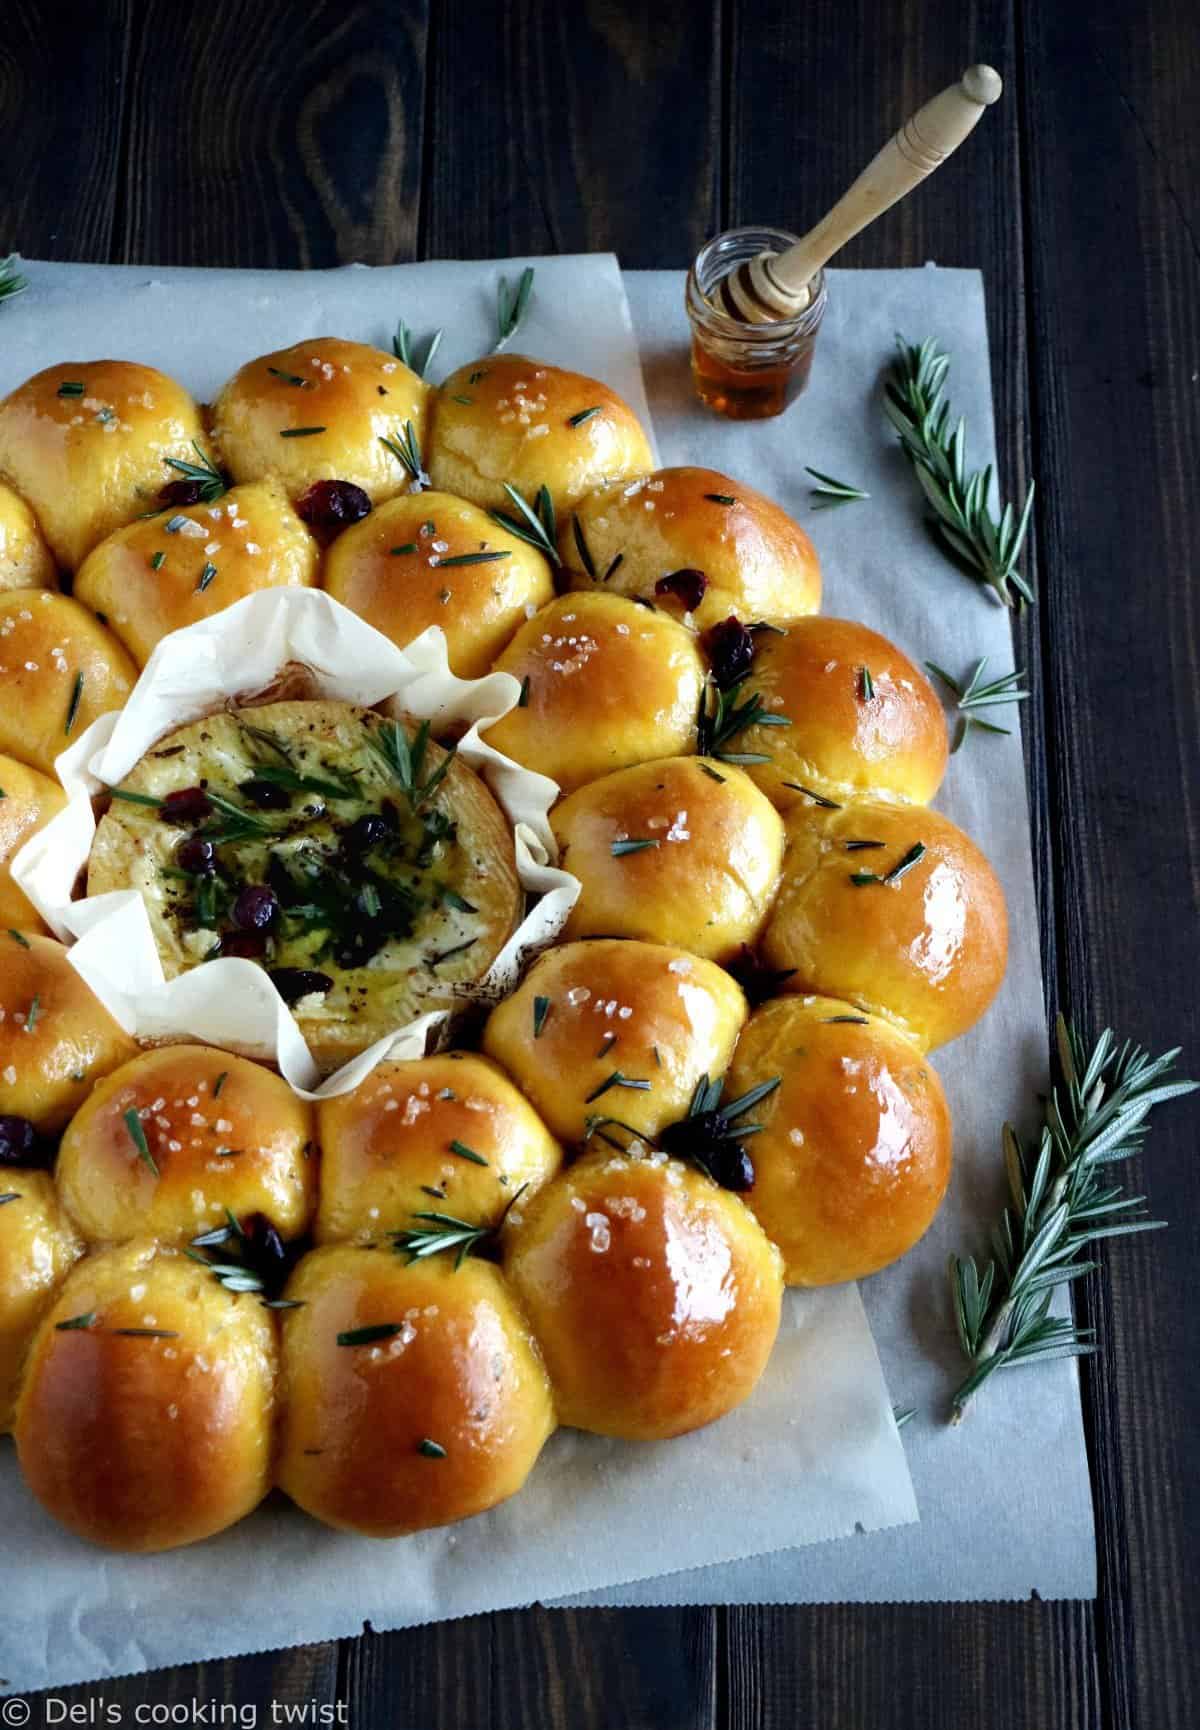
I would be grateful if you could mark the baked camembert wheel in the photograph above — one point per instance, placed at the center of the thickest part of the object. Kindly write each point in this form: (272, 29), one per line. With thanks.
(367, 869)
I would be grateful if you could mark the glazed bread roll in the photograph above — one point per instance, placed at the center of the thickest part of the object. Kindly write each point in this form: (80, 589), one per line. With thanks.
(430, 559)
(654, 1295)
(509, 418)
(173, 1142)
(619, 1030)
(413, 1394)
(448, 1133)
(854, 1154)
(37, 1250)
(605, 683)
(335, 848)
(59, 670)
(144, 1419)
(864, 720)
(320, 411)
(912, 927)
(754, 561)
(86, 444)
(28, 800)
(56, 1039)
(684, 850)
(26, 562)
(169, 570)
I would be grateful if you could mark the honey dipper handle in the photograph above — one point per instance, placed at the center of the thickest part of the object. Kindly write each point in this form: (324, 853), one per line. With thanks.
(921, 145)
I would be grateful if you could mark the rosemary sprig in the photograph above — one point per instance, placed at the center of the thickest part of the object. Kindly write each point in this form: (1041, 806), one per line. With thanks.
(534, 523)
(721, 717)
(405, 760)
(407, 452)
(971, 694)
(404, 347)
(511, 307)
(828, 491)
(1062, 1203)
(958, 498)
(206, 472)
(12, 282)
(438, 1233)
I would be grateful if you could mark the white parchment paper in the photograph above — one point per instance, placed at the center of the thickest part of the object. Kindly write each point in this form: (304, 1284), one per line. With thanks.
(990, 1528)
(813, 1455)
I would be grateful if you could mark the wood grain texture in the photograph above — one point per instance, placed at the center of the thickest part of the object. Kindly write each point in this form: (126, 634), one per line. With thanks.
(1116, 429)
(51, 50)
(278, 136)
(299, 1676)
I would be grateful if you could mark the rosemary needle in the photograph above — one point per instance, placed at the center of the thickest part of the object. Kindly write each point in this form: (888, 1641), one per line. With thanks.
(511, 307)
(12, 282)
(1062, 1202)
(827, 491)
(972, 694)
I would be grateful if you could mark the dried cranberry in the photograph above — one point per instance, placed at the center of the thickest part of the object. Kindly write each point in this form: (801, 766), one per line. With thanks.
(756, 979)
(705, 1138)
(265, 794)
(181, 493)
(255, 907)
(244, 945)
(686, 586)
(188, 805)
(730, 650)
(293, 983)
(332, 505)
(732, 1167)
(197, 856)
(17, 1140)
(266, 1246)
(365, 832)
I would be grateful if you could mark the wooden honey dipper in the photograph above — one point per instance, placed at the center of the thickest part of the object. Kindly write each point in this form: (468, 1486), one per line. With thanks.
(774, 286)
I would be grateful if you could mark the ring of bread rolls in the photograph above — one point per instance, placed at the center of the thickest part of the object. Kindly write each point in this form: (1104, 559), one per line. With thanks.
(752, 560)
(510, 420)
(144, 1419)
(29, 801)
(432, 559)
(90, 444)
(38, 1248)
(26, 562)
(371, 873)
(172, 569)
(412, 1395)
(321, 410)
(60, 669)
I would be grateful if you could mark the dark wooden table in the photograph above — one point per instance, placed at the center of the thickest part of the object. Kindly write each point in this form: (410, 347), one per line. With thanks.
(238, 133)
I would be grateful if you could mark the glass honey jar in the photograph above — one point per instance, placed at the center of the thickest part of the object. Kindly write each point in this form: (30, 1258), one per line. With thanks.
(748, 371)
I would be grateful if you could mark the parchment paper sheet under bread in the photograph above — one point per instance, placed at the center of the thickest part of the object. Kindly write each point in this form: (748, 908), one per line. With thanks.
(990, 1527)
(815, 1450)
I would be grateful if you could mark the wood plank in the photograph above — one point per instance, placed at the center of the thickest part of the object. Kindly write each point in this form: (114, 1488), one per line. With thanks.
(274, 136)
(297, 1677)
(574, 128)
(438, 1677)
(61, 152)
(1114, 177)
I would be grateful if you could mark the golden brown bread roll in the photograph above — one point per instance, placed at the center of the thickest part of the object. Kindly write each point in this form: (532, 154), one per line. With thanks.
(26, 562)
(683, 851)
(38, 1247)
(912, 927)
(864, 720)
(413, 1394)
(509, 418)
(615, 1029)
(431, 559)
(56, 1039)
(59, 670)
(167, 571)
(653, 1294)
(854, 1154)
(144, 1420)
(449, 1133)
(756, 562)
(609, 684)
(174, 1141)
(86, 443)
(318, 411)
(325, 844)
(28, 800)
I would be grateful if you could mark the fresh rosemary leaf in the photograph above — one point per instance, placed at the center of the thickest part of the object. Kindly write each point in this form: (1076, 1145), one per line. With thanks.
(12, 282)
(612, 569)
(957, 498)
(616, 1079)
(721, 717)
(817, 798)
(301, 432)
(405, 348)
(73, 705)
(849, 1020)
(721, 498)
(70, 387)
(581, 547)
(157, 560)
(205, 471)
(866, 685)
(606, 1045)
(707, 769)
(9, 1195)
(407, 452)
(473, 559)
(137, 1135)
(532, 523)
(18, 937)
(974, 693)
(511, 307)
(451, 898)
(436, 1233)
(465, 1152)
(206, 577)
(915, 853)
(76, 1324)
(146, 1333)
(541, 1009)
(133, 798)
(903, 1415)
(633, 845)
(432, 1450)
(369, 1335)
(584, 414)
(523, 696)
(289, 378)
(408, 547)
(35, 1009)
(829, 491)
